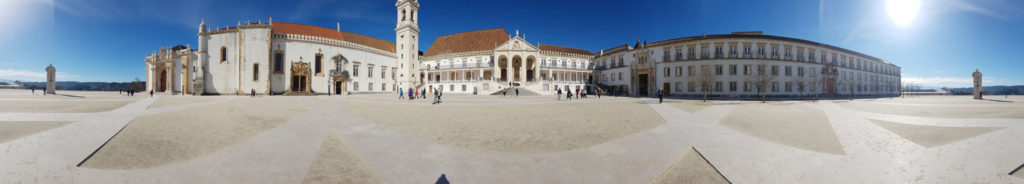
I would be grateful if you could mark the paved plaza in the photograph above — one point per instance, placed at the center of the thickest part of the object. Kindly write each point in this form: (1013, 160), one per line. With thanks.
(106, 137)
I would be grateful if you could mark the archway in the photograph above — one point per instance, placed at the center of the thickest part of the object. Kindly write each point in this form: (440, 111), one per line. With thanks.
(531, 68)
(300, 77)
(163, 81)
(517, 64)
(503, 67)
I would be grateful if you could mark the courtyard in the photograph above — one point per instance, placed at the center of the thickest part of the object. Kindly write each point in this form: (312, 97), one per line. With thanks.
(106, 137)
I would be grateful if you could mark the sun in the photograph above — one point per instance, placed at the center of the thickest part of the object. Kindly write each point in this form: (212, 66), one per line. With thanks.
(903, 12)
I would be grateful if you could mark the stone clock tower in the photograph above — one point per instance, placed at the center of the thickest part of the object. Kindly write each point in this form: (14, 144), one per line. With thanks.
(407, 34)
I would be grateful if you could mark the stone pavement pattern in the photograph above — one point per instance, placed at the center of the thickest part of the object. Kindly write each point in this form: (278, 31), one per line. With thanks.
(292, 152)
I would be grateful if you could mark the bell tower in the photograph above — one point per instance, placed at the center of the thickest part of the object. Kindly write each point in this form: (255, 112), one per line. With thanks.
(407, 33)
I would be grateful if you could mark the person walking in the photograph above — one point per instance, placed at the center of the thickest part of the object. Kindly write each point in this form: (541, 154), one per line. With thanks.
(435, 96)
(401, 93)
(33, 90)
(439, 95)
(517, 92)
(253, 93)
(577, 93)
(423, 93)
(559, 96)
(660, 95)
(568, 95)
(416, 93)
(504, 93)
(598, 93)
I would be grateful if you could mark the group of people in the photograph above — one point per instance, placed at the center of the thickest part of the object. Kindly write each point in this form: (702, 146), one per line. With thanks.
(412, 94)
(131, 92)
(579, 94)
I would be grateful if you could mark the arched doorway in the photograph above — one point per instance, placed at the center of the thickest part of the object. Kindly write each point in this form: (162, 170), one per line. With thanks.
(163, 81)
(503, 67)
(300, 77)
(531, 68)
(517, 64)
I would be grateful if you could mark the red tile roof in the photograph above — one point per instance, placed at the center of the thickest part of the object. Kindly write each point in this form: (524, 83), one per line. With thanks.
(308, 30)
(478, 40)
(565, 50)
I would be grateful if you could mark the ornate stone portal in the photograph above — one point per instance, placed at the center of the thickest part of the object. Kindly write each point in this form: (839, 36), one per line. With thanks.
(300, 79)
(977, 84)
(51, 80)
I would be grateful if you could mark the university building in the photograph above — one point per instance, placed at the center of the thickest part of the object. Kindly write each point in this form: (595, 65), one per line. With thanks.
(280, 58)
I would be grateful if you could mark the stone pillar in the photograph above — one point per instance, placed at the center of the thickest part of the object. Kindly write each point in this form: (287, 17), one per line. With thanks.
(51, 80)
(977, 84)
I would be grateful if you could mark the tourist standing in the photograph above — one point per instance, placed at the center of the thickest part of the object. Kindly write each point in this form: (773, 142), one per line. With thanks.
(439, 95)
(504, 92)
(517, 92)
(33, 90)
(423, 93)
(435, 96)
(253, 93)
(559, 96)
(660, 95)
(577, 93)
(568, 95)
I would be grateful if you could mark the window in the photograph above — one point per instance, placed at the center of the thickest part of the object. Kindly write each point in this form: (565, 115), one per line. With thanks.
(318, 66)
(760, 51)
(800, 71)
(732, 51)
(383, 71)
(718, 69)
(732, 69)
(256, 71)
(668, 72)
(718, 52)
(690, 53)
(704, 52)
(691, 86)
(789, 71)
(690, 70)
(355, 86)
(666, 55)
(620, 75)
(718, 86)
(223, 54)
(679, 86)
(775, 70)
(775, 86)
(355, 70)
(810, 55)
(369, 87)
(732, 86)
(775, 52)
(746, 51)
(679, 71)
(789, 86)
(278, 62)
(746, 86)
(799, 54)
(746, 69)
(383, 87)
(369, 71)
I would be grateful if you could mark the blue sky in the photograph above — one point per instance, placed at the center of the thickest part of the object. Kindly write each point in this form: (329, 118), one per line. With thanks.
(106, 40)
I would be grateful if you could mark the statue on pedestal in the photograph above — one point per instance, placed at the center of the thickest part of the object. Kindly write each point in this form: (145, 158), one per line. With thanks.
(977, 84)
(51, 79)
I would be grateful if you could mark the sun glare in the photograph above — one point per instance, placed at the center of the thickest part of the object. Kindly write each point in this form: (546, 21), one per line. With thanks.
(903, 12)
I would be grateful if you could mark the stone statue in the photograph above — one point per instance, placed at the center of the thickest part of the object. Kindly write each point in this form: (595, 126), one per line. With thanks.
(977, 84)
(51, 79)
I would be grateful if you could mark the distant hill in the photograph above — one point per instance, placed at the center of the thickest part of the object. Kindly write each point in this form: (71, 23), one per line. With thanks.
(90, 86)
(990, 90)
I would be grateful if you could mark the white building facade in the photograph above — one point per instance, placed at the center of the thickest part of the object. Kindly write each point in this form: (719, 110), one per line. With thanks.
(798, 68)
(275, 58)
